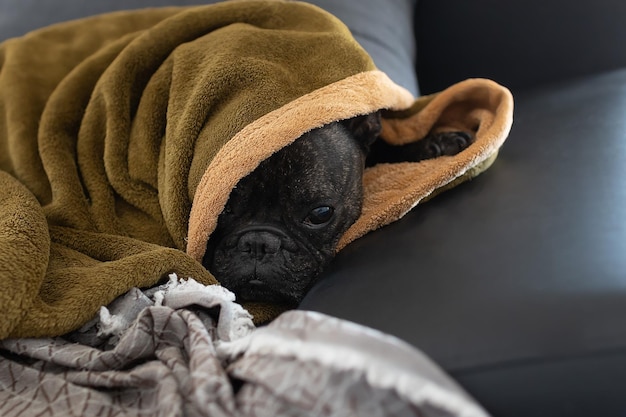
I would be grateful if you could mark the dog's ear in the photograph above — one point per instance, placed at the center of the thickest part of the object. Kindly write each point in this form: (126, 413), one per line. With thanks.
(365, 129)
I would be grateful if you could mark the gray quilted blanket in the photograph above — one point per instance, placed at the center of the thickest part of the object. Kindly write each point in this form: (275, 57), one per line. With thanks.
(185, 349)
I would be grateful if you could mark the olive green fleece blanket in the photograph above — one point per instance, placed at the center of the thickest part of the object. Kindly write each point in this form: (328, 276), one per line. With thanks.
(122, 135)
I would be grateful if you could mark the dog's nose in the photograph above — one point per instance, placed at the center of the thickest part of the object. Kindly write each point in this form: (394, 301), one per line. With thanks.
(258, 244)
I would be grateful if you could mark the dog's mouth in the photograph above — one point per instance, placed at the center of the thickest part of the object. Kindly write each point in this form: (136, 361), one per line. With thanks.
(268, 280)
(263, 264)
(259, 291)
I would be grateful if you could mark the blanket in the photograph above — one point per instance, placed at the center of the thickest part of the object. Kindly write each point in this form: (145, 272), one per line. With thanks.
(122, 135)
(149, 355)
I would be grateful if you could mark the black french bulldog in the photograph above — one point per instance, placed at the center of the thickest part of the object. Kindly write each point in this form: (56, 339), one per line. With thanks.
(282, 222)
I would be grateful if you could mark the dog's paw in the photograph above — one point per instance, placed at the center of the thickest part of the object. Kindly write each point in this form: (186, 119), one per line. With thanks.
(432, 146)
(447, 143)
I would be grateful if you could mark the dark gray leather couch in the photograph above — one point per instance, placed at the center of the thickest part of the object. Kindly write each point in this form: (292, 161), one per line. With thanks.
(515, 283)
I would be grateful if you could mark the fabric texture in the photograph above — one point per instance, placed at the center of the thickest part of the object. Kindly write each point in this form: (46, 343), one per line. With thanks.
(176, 350)
(384, 30)
(122, 136)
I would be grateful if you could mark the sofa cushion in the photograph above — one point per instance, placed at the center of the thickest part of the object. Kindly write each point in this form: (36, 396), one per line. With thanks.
(518, 43)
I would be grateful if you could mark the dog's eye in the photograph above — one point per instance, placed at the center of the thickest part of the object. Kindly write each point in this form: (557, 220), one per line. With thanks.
(319, 215)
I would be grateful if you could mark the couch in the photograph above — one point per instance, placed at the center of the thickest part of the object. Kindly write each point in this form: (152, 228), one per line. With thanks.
(514, 282)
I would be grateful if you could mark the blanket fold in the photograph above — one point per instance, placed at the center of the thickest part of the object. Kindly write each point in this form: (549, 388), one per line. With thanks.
(122, 135)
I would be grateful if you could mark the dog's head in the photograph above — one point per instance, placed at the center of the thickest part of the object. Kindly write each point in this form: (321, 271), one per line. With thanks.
(282, 222)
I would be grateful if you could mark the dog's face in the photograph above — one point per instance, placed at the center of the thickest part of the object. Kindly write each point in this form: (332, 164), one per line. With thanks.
(282, 222)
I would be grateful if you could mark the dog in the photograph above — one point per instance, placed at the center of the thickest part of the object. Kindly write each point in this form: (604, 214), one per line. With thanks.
(282, 222)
